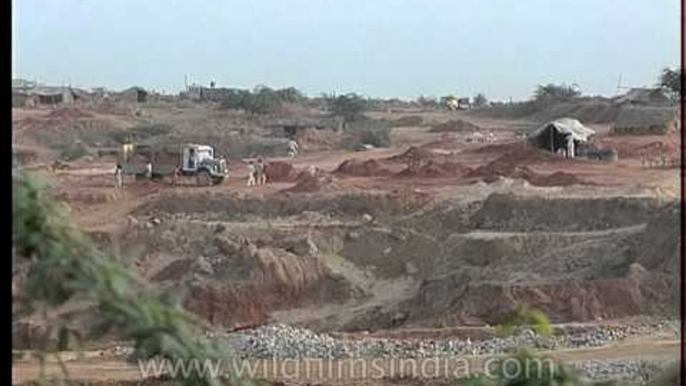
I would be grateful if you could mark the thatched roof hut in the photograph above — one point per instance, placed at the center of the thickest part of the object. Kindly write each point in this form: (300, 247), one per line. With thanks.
(133, 95)
(646, 120)
(555, 134)
(643, 97)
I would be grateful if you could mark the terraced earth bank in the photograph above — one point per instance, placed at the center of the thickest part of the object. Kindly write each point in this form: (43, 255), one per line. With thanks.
(365, 262)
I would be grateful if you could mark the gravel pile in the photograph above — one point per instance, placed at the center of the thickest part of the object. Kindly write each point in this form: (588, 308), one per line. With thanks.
(282, 341)
(633, 371)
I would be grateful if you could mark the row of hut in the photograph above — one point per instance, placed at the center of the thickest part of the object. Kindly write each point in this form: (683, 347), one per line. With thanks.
(33, 95)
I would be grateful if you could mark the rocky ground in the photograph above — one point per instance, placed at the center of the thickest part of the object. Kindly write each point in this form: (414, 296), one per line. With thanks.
(282, 341)
(434, 233)
(631, 371)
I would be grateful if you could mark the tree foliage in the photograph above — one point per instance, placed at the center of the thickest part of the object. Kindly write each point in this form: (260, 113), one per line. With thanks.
(524, 316)
(369, 132)
(556, 92)
(349, 106)
(63, 266)
(427, 102)
(261, 100)
(480, 100)
(670, 79)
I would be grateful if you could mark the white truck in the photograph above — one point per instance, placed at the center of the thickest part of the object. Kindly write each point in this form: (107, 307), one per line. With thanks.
(194, 160)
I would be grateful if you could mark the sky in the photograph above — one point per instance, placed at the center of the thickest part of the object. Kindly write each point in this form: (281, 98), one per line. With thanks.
(379, 48)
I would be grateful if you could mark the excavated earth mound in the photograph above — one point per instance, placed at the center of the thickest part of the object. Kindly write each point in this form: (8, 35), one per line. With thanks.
(513, 164)
(433, 169)
(68, 113)
(458, 125)
(577, 259)
(369, 168)
(308, 183)
(369, 262)
(280, 171)
(414, 154)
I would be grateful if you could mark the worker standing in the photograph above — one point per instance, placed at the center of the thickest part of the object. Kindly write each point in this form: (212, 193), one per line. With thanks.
(292, 148)
(260, 171)
(570, 149)
(118, 176)
(251, 173)
(176, 174)
(148, 170)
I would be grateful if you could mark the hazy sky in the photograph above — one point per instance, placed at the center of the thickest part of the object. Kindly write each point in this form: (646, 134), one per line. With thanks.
(385, 48)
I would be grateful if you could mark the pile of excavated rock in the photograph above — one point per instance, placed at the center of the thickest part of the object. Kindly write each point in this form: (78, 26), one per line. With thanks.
(282, 341)
(633, 371)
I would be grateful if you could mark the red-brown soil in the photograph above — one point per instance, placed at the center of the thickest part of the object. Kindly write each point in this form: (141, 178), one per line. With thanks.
(359, 168)
(280, 171)
(433, 169)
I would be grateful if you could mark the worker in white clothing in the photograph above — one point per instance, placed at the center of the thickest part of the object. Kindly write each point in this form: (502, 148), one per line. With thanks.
(570, 148)
(292, 148)
(119, 176)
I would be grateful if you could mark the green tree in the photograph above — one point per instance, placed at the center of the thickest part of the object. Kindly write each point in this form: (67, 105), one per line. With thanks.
(290, 95)
(556, 92)
(369, 132)
(480, 100)
(525, 316)
(349, 106)
(670, 79)
(427, 102)
(263, 100)
(55, 263)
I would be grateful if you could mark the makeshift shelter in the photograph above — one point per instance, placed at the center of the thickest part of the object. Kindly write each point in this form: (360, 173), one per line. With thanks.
(133, 95)
(563, 133)
(643, 97)
(646, 120)
(51, 95)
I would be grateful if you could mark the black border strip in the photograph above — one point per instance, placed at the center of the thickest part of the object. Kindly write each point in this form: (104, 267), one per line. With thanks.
(682, 186)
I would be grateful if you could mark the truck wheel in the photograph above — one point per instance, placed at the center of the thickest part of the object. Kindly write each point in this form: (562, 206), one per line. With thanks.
(203, 178)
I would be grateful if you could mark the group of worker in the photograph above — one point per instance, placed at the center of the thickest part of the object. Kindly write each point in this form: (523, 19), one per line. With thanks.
(256, 172)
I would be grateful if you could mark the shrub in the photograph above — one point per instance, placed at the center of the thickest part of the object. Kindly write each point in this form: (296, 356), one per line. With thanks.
(480, 100)
(349, 106)
(370, 131)
(141, 132)
(76, 150)
(262, 100)
(62, 265)
(556, 92)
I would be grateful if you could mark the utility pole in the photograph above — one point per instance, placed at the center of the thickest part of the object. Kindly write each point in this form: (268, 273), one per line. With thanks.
(619, 84)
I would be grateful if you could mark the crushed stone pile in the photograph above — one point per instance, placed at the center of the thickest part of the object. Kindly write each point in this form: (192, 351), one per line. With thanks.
(634, 371)
(283, 341)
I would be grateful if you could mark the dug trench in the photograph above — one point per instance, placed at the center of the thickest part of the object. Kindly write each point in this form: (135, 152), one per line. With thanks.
(365, 262)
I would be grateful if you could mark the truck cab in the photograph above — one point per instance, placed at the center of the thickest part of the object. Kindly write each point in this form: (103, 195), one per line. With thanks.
(201, 161)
